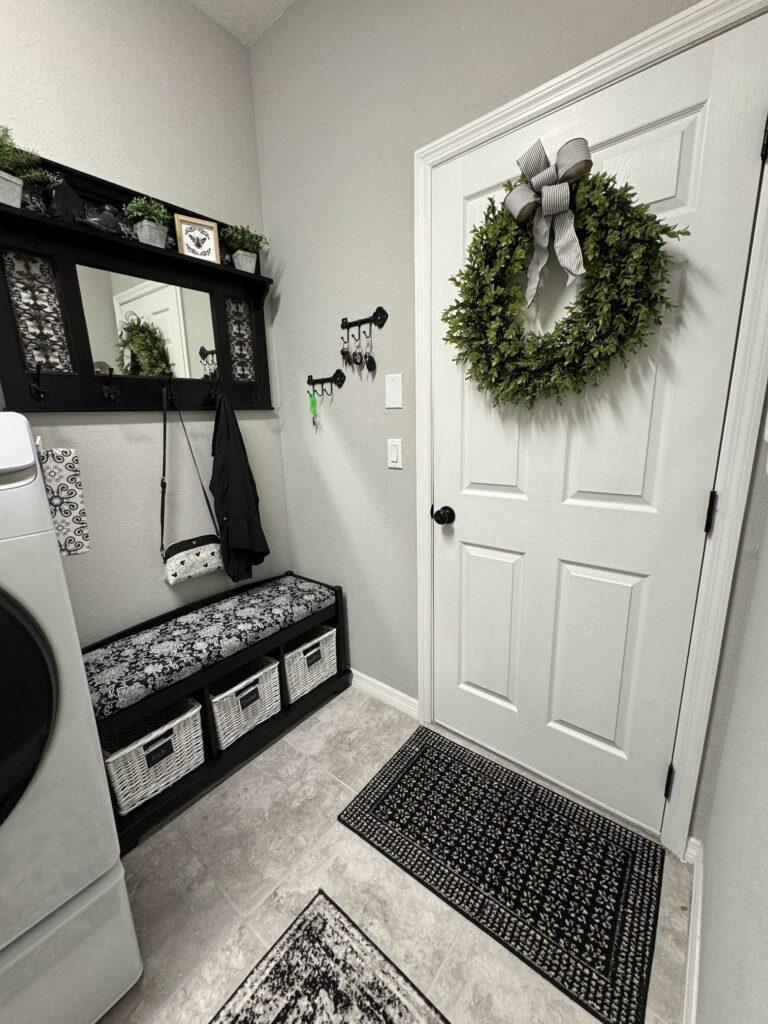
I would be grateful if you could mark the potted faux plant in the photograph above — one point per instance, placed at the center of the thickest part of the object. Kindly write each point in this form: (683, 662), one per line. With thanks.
(245, 246)
(15, 165)
(150, 219)
(39, 184)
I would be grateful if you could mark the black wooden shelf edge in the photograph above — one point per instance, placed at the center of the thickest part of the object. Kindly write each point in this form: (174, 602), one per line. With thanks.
(82, 234)
(133, 827)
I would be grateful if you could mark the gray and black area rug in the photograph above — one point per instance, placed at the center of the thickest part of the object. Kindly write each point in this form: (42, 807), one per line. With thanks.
(325, 970)
(571, 893)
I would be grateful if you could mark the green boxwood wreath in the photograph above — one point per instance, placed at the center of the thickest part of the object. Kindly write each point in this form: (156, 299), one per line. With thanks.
(621, 298)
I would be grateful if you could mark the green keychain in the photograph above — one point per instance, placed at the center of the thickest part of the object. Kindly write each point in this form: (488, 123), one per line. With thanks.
(313, 407)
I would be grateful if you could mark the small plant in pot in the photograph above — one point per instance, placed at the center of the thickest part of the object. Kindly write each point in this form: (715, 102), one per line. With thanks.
(150, 218)
(39, 184)
(15, 165)
(245, 246)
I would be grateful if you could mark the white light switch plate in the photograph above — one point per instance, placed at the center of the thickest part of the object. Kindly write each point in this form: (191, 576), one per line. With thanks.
(393, 391)
(395, 453)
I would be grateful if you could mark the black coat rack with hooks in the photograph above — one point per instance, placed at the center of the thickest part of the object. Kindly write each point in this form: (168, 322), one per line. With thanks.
(335, 380)
(358, 357)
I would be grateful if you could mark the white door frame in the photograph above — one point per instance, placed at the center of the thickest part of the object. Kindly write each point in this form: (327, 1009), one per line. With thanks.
(745, 404)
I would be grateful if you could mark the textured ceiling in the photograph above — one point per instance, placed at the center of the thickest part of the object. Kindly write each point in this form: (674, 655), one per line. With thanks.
(245, 19)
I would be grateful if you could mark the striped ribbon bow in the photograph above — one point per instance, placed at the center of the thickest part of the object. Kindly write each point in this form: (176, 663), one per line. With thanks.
(546, 195)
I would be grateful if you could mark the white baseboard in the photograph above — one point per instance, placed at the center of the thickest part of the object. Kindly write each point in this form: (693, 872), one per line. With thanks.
(694, 854)
(386, 693)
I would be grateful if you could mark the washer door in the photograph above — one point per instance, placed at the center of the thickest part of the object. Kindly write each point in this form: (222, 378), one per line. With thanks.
(27, 703)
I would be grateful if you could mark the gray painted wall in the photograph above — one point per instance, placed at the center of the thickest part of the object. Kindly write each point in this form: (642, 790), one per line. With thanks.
(732, 808)
(117, 89)
(345, 91)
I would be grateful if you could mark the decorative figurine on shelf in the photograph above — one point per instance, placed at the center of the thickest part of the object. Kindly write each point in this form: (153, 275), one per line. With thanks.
(66, 203)
(105, 218)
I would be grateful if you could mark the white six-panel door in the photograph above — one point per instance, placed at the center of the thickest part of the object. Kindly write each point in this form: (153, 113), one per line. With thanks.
(564, 592)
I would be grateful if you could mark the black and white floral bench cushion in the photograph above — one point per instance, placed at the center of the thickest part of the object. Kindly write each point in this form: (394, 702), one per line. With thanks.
(125, 670)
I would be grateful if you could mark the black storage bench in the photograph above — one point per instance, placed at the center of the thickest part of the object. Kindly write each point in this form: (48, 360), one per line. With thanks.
(136, 674)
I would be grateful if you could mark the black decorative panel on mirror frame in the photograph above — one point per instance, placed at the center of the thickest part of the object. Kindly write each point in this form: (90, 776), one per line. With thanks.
(80, 307)
(34, 292)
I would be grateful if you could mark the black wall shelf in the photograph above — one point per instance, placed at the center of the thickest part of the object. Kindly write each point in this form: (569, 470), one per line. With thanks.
(91, 240)
(237, 312)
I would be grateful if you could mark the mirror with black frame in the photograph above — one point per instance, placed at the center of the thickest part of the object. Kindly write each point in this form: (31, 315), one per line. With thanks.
(139, 327)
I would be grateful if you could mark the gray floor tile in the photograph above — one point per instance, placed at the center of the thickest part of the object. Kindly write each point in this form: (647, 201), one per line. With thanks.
(667, 990)
(183, 919)
(251, 829)
(400, 915)
(353, 736)
(480, 982)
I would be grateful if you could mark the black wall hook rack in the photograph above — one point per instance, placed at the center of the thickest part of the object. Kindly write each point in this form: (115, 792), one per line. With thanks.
(359, 357)
(379, 317)
(337, 379)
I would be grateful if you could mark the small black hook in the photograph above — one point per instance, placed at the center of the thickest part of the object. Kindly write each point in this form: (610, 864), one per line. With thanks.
(39, 393)
(109, 392)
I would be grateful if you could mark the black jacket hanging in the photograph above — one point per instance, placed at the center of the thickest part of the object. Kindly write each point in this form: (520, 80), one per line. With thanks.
(243, 543)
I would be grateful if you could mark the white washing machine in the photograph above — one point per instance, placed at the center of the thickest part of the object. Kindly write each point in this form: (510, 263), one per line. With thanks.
(68, 948)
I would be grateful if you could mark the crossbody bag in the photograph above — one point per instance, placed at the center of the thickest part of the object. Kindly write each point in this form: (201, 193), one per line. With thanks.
(186, 559)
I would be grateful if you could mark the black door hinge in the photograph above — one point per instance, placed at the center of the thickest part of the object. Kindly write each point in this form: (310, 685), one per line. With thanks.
(709, 522)
(764, 150)
(670, 781)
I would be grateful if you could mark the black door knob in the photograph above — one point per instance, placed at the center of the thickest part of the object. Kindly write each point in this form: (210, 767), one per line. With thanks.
(444, 516)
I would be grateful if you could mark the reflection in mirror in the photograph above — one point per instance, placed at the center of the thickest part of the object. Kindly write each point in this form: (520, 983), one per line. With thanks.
(143, 328)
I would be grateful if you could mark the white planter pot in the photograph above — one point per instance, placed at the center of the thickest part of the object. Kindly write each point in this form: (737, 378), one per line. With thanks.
(150, 233)
(10, 190)
(245, 261)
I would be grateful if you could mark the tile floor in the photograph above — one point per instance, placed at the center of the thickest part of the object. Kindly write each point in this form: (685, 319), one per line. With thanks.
(216, 887)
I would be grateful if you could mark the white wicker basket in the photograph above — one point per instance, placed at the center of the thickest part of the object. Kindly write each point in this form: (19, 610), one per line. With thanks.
(253, 700)
(147, 758)
(311, 662)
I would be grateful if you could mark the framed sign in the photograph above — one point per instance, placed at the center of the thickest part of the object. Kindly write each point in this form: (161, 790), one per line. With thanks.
(197, 237)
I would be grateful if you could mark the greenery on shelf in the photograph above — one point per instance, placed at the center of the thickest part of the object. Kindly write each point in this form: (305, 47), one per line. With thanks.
(238, 236)
(148, 348)
(145, 208)
(14, 160)
(43, 179)
(621, 299)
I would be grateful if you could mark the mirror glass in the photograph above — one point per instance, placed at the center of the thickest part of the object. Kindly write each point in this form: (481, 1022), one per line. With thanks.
(144, 328)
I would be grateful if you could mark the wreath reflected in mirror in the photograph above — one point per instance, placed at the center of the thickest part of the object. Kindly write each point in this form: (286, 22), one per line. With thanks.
(603, 237)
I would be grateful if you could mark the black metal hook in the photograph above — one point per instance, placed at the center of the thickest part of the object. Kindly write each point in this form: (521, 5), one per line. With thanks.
(39, 393)
(214, 390)
(109, 392)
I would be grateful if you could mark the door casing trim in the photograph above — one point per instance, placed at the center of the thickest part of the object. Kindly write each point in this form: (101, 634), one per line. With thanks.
(745, 403)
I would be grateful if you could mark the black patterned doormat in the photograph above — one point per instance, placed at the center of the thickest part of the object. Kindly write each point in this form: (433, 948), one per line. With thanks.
(325, 970)
(571, 893)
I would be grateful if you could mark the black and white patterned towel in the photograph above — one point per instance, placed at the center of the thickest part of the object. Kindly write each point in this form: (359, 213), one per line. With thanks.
(64, 489)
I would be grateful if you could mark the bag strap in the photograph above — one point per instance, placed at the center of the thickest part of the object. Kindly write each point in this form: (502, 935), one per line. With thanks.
(168, 395)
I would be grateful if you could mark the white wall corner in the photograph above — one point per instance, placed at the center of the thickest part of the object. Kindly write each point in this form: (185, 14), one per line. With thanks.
(386, 693)
(694, 854)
